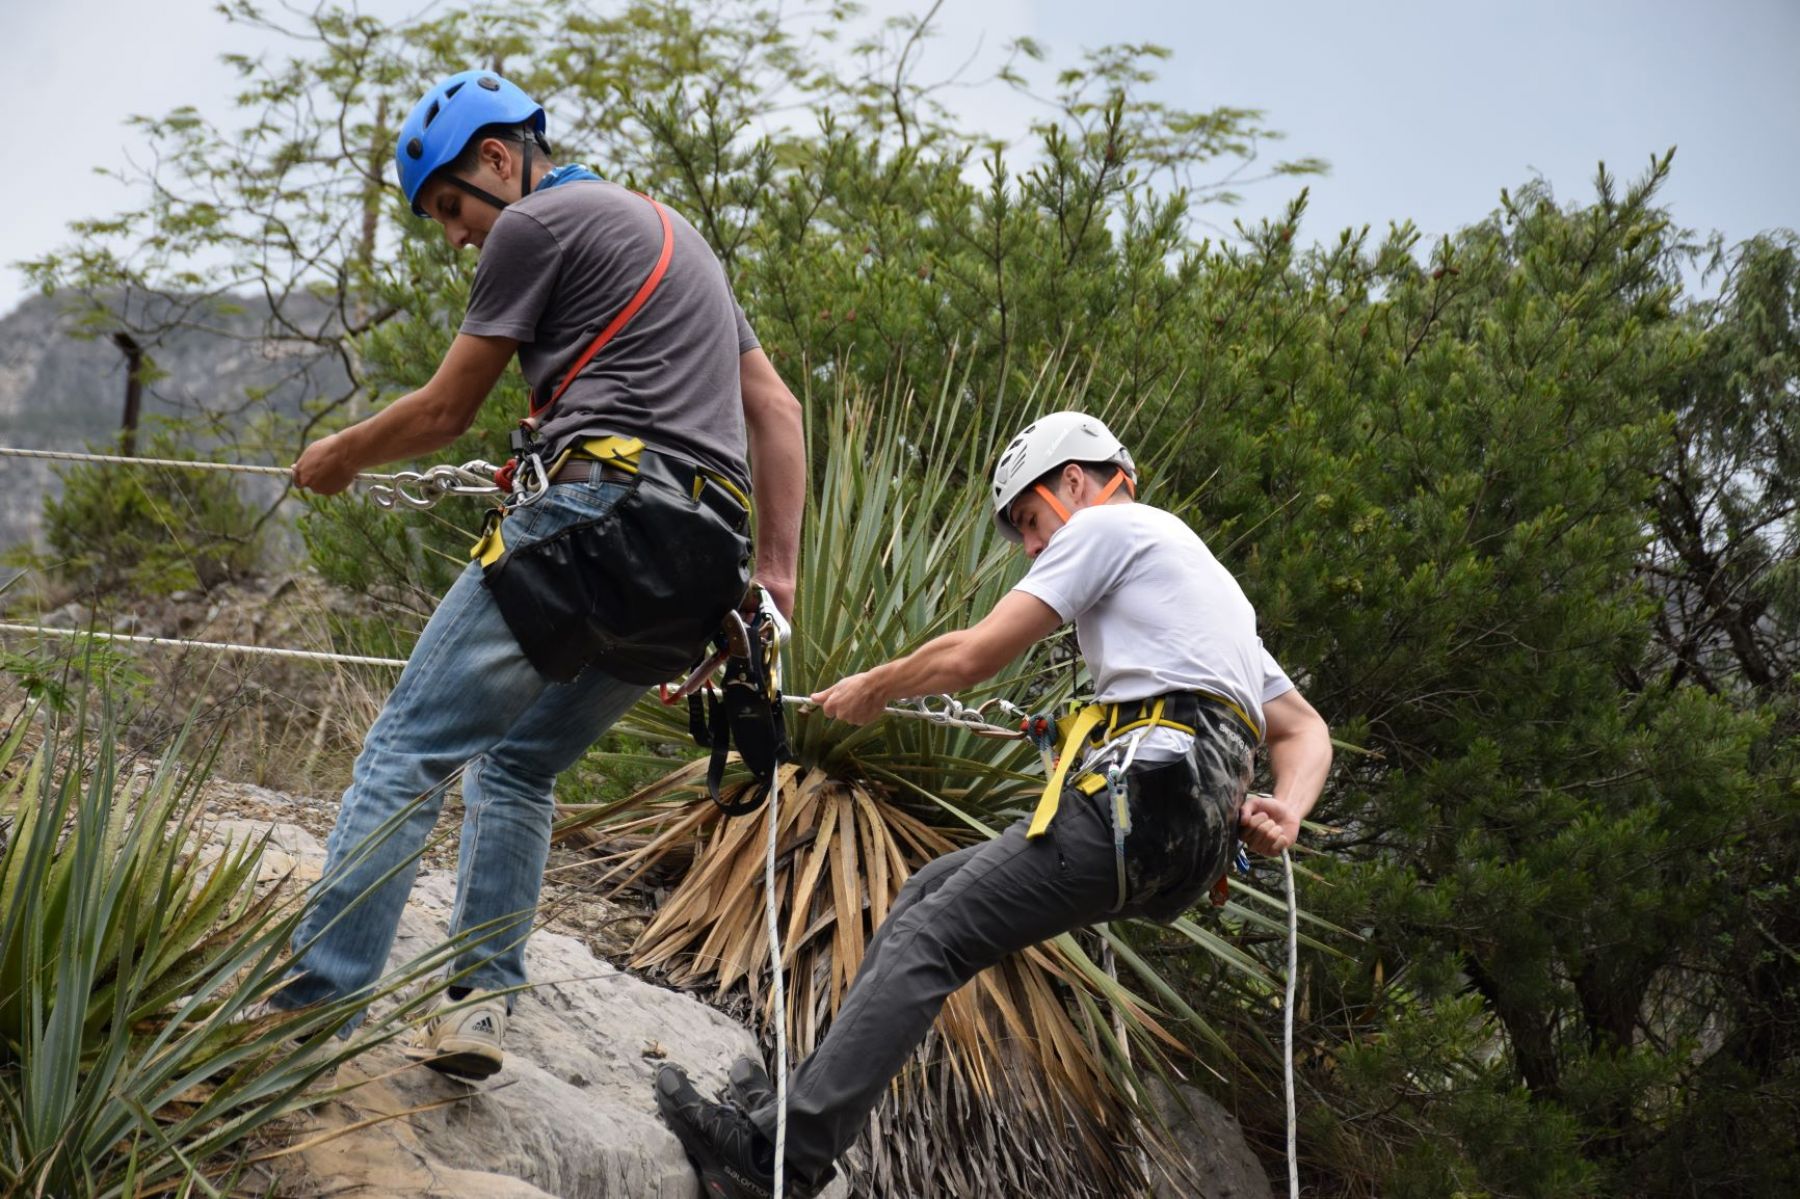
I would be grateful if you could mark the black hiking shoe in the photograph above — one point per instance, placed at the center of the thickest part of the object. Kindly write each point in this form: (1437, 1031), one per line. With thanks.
(732, 1157)
(751, 1087)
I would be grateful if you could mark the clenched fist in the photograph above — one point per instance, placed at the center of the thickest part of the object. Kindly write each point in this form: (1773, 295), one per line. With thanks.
(1267, 825)
(324, 467)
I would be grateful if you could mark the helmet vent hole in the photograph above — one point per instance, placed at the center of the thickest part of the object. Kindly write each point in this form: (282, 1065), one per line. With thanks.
(452, 90)
(431, 114)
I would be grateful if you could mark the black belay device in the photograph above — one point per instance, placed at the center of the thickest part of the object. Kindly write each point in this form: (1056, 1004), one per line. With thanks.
(744, 709)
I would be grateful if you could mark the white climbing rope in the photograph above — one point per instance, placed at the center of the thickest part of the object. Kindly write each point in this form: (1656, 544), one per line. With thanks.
(1287, 1024)
(779, 990)
(266, 651)
(286, 472)
(473, 478)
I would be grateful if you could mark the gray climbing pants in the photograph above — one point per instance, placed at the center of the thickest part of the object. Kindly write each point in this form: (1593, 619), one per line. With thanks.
(965, 911)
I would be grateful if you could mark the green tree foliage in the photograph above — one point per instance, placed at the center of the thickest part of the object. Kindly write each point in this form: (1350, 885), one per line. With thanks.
(150, 531)
(131, 1061)
(1516, 509)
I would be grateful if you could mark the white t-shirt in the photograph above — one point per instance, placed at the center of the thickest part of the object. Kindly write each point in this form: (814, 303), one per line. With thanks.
(1154, 611)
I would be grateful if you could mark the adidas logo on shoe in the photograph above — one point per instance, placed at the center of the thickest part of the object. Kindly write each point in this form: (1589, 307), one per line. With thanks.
(463, 1036)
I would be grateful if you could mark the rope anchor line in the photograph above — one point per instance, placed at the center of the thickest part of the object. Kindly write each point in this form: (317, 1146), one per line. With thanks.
(936, 709)
(427, 487)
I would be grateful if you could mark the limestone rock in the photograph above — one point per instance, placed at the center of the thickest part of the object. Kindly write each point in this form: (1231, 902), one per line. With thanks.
(570, 1115)
(1221, 1162)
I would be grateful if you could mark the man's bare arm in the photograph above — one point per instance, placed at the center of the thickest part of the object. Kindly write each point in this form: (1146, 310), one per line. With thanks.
(1299, 745)
(777, 437)
(417, 423)
(945, 664)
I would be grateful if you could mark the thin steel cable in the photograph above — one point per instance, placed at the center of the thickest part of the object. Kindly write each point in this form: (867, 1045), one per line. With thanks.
(285, 472)
(972, 723)
(266, 651)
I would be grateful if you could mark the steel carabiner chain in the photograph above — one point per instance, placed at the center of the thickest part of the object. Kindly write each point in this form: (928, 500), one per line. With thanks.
(429, 487)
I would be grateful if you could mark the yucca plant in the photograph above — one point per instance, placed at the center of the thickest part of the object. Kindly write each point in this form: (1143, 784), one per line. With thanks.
(1031, 1077)
(130, 1063)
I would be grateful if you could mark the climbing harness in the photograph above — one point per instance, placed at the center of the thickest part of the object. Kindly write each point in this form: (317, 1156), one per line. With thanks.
(1103, 724)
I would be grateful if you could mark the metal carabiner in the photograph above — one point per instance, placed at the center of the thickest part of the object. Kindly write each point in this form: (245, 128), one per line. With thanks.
(531, 483)
(433, 484)
(395, 494)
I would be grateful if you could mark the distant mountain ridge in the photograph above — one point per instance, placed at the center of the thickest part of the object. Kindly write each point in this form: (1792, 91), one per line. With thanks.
(59, 390)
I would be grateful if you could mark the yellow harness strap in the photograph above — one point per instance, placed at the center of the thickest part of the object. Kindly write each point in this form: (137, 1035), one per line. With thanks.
(621, 452)
(1080, 730)
(1083, 724)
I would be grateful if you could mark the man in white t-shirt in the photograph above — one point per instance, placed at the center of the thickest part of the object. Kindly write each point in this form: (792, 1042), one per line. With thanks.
(1140, 817)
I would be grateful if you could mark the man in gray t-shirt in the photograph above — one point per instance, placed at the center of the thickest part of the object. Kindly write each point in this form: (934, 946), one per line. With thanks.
(652, 403)
(551, 271)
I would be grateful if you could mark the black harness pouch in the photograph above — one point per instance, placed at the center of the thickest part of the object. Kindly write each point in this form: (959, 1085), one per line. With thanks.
(1184, 820)
(637, 592)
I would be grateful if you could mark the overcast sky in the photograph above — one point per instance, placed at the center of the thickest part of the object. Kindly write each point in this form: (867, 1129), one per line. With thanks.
(1425, 108)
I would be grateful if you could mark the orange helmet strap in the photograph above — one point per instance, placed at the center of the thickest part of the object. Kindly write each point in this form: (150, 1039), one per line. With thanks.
(1112, 485)
(1056, 505)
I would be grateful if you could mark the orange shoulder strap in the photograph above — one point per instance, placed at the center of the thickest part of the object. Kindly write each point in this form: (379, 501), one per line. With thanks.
(625, 314)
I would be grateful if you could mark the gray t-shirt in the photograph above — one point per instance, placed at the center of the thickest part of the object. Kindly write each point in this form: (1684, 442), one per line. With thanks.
(560, 264)
(1154, 611)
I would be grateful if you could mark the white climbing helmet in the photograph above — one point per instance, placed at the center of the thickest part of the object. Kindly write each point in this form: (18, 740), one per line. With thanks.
(1046, 444)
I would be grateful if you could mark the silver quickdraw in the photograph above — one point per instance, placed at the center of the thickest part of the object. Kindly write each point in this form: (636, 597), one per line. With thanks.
(950, 711)
(422, 489)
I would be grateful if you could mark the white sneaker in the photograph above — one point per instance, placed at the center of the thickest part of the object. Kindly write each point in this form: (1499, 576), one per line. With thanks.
(462, 1038)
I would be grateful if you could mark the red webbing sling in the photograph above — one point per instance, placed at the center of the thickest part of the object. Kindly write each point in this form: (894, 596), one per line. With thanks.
(504, 476)
(626, 313)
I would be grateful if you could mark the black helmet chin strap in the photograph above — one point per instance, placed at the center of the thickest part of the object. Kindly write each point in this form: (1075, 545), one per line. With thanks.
(489, 197)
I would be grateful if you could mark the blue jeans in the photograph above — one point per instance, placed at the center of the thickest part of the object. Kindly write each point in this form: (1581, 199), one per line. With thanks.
(467, 698)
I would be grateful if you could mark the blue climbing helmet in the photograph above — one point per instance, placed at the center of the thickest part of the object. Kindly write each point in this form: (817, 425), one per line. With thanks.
(442, 123)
